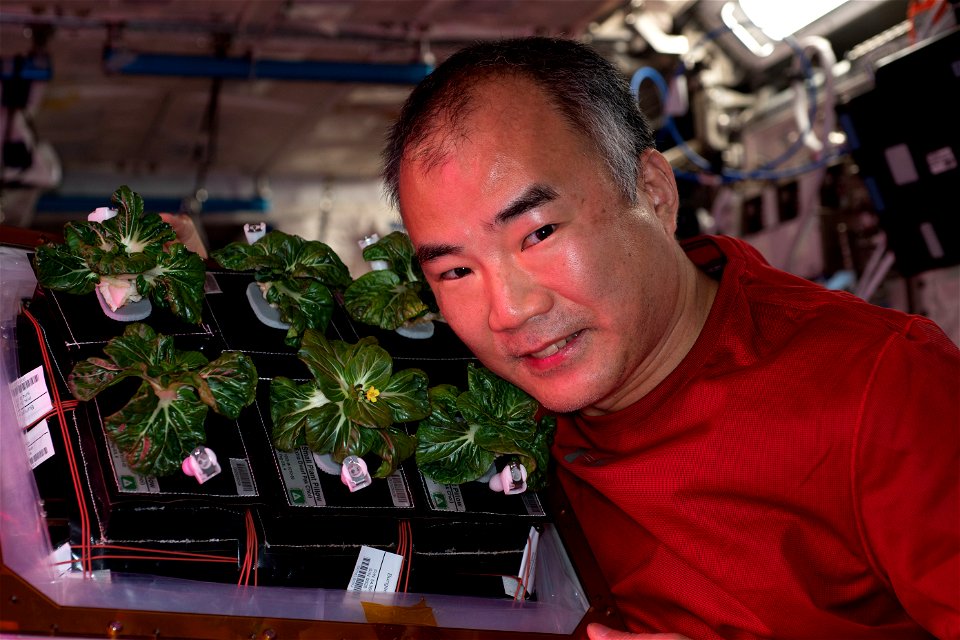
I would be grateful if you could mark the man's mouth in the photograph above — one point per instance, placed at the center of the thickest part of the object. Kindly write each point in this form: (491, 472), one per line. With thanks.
(553, 348)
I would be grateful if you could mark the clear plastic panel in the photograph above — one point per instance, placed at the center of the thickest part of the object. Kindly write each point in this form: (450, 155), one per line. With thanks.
(27, 549)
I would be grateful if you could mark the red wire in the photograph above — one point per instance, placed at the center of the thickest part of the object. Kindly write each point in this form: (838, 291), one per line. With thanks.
(252, 547)
(68, 405)
(250, 558)
(86, 547)
(172, 552)
(85, 560)
(405, 549)
(132, 557)
(521, 584)
(245, 567)
(401, 550)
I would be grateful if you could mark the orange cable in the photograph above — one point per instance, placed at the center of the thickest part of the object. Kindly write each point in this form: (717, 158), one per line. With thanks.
(85, 560)
(132, 557)
(526, 572)
(68, 405)
(172, 552)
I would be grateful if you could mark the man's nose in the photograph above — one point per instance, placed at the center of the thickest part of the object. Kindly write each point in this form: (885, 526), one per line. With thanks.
(515, 296)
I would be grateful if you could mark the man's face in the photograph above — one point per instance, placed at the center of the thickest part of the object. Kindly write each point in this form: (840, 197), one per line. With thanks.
(552, 279)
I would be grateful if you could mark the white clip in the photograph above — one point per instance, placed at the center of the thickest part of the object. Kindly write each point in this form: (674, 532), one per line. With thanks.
(254, 231)
(201, 464)
(101, 213)
(366, 241)
(354, 473)
(511, 480)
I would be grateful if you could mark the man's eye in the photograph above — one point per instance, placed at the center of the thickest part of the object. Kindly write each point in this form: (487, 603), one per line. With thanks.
(454, 274)
(539, 235)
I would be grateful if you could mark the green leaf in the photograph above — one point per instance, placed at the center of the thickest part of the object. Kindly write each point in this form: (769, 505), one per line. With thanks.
(279, 255)
(353, 398)
(176, 283)
(317, 260)
(135, 231)
(407, 395)
(332, 432)
(140, 344)
(91, 376)
(290, 407)
(301, 274)
(130, 247)
(383, 299)
(491, 400)
(327, 362)
(391, 297)
(392, 446)
(59, 269)
(464, 433)
(163, 422)
(398, 251)
(303, 304)
(229, 383)
(156, 435)
(301, 414)
(81, 237)
(448, 453)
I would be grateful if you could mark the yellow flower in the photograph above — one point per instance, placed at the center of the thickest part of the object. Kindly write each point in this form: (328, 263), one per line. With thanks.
(372, 394)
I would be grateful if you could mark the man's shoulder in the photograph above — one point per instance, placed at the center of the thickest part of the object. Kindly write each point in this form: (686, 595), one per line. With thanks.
(772, 300)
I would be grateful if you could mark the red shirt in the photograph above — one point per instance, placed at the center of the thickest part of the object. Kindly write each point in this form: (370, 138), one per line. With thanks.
(796, 476)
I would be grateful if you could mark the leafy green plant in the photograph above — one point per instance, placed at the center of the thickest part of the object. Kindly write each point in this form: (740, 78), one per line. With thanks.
(164, 420)
(465, 432)
(352, 404)
(392, 297)
(127, 257)
(298, 277)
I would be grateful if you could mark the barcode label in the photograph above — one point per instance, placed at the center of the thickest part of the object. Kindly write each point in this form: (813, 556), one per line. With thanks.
(361, 574)
(31, 401)
(42, 453)
(22, 385)
(39, 444)
(398, 490)
(532, 502)
(376, 570)
(243, 477)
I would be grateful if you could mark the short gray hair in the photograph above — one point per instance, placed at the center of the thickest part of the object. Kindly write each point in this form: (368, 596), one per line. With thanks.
(587, 89)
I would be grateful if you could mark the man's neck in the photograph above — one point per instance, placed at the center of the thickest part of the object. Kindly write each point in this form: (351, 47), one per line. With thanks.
(695, 299)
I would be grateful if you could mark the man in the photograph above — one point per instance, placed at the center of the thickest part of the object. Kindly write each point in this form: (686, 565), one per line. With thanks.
(748, 454)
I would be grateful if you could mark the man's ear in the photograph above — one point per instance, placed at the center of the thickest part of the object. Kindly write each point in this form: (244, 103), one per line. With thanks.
(660, 187)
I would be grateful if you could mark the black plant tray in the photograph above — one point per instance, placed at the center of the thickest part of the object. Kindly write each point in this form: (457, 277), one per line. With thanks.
(78, 323)
(309, 526)
(475, 501)
(443, 357)
(297, 486)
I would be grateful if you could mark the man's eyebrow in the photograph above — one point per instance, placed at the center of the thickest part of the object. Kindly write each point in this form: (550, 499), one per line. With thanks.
(429, 252)
(533, 197)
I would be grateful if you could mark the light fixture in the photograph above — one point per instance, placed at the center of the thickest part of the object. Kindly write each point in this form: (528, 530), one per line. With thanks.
(779, 19)
(746, 31)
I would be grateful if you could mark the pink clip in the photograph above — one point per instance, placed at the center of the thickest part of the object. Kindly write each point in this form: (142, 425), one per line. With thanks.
(201, 464)
(511, 480)
(353, 473)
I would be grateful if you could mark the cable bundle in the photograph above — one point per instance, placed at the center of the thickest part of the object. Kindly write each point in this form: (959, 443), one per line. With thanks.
(405, 549)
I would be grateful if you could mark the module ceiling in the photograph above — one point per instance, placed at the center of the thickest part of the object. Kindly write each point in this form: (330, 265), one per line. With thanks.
(97, 119)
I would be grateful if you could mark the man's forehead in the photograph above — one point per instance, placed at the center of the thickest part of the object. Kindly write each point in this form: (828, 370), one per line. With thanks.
(451, 121)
